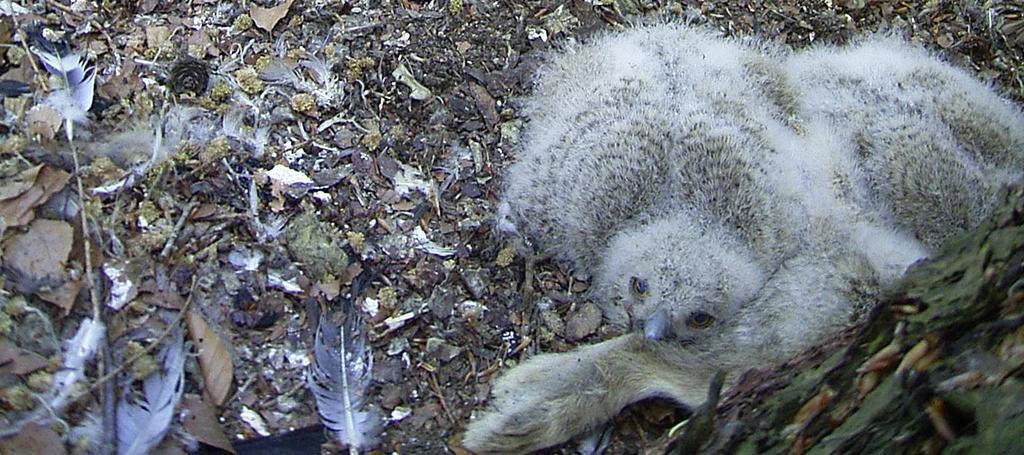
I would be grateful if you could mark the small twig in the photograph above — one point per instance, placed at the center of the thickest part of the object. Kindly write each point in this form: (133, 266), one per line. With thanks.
(185, 213)
(28, 53)
(435, 388)
(64, 9)
(94, 295)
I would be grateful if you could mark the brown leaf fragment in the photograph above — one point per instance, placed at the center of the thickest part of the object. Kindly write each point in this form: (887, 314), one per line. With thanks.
(157, 35)
(33, 438)
(214, 358)
(20, 183)
(64, 296)
(485, 104)
(267, 18)
(40, 253)
(199, 418)
(30, 189)
(14, 360)
(205, 211)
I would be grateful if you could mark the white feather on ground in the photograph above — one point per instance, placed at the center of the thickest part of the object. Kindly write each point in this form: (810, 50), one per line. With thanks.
(339, 376)
(77, 352)
(73, 98)
(142, 422)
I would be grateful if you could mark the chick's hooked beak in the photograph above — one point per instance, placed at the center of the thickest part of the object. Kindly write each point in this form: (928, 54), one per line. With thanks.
(657, 325)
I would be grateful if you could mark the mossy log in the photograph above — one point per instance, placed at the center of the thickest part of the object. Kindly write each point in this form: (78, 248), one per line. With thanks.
(938, 366)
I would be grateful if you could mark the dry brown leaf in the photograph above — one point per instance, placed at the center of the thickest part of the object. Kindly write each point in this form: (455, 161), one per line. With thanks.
(267, 18)
(14, 360)
(30, 189)
(214, 358)
(201, 40)
(329, 289)
(40, 253)
(65, 296)
(33, 438)
(22, 71)
(44, 121)
(157, 35)
(200, 419)
(122, 84)
(20, 183)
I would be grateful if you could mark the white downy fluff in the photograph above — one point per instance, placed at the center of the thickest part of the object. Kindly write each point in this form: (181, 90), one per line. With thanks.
(142, 422)
(341, 372)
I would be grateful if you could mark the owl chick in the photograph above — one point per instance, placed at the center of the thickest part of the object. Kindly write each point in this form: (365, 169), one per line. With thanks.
(931, 145)
(634, 127)
(734, 202)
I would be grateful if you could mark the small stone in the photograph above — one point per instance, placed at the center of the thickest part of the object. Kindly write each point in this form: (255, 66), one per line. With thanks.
(442, 350)
(474, 281)
(286, 404)
(397, 346)
(583, 323)
(471, 310)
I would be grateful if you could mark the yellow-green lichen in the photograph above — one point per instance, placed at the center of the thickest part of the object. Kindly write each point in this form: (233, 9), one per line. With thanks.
(142, 366)
(220, 92)
(388, 296)
(214, 151)
(17, 398)
(16, 305)
(242, 23)
(262, 62)
(454, 7)
(505, 257)
(5, 324)
(14, 143)
(357, 240)
(249, 81)
(303, 103)
(315, 245)
(357, 66)
(39, 381)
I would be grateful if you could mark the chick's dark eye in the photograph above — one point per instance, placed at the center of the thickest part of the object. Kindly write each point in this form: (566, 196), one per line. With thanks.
(639, 286)
(700, 319)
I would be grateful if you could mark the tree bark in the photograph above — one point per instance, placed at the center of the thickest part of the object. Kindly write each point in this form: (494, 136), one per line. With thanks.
(936, 366)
